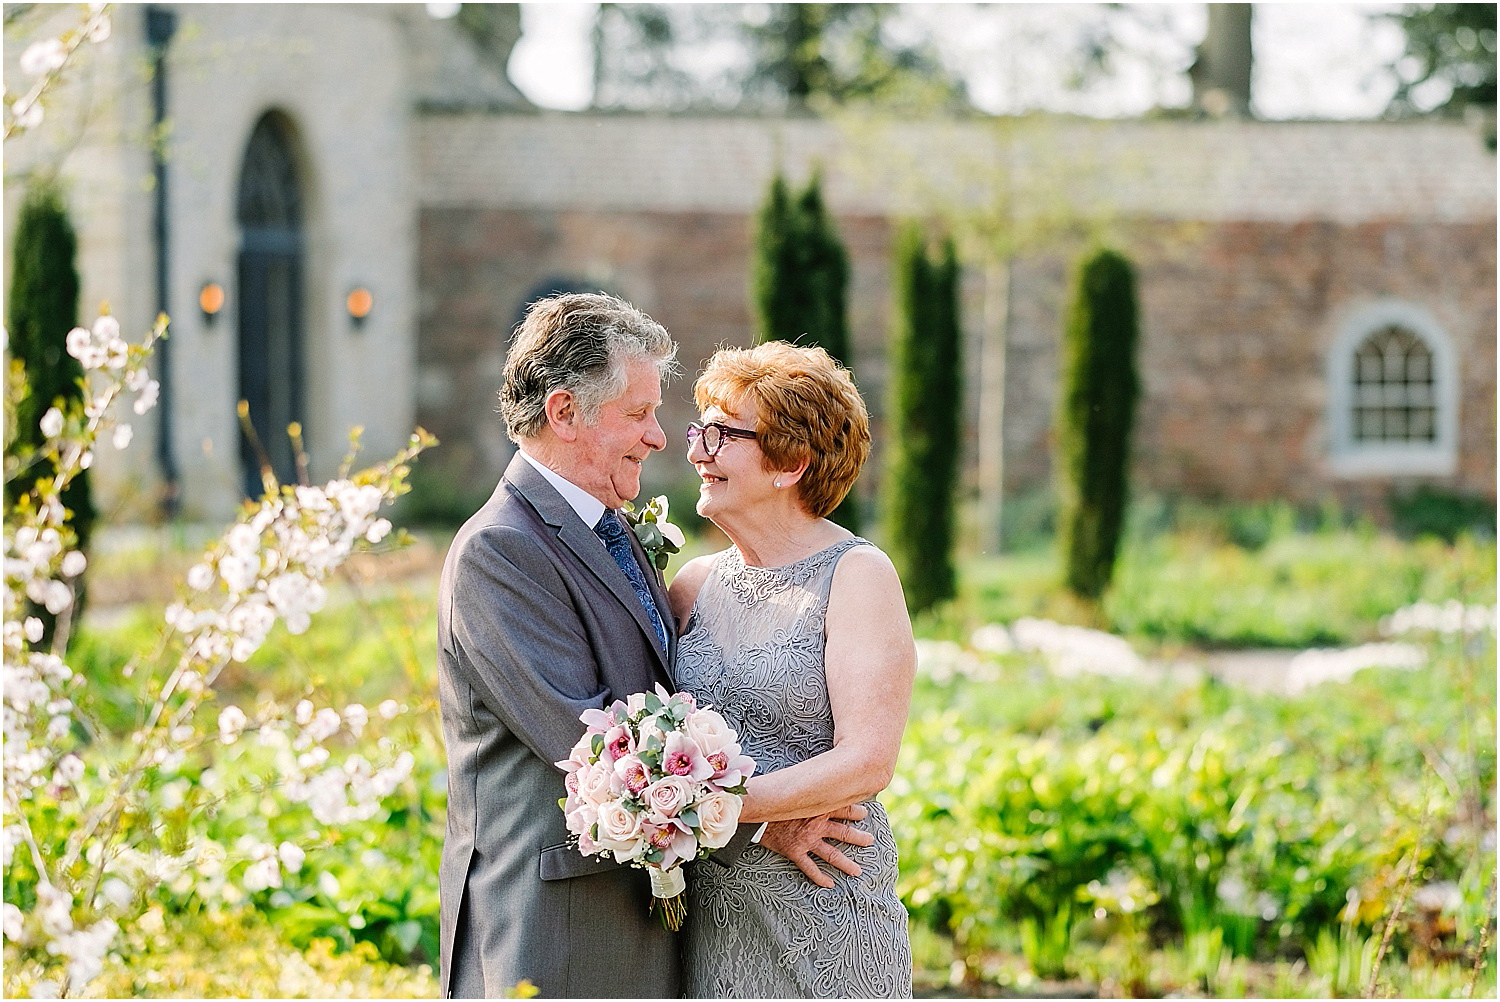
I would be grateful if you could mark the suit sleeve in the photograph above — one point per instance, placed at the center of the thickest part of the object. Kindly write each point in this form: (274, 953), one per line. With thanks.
(519, 635)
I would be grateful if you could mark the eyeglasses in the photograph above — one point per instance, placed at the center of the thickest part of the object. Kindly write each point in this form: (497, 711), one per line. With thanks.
(714, 435)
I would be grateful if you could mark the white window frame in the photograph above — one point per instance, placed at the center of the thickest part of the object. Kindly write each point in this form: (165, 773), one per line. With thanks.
(1349, 457)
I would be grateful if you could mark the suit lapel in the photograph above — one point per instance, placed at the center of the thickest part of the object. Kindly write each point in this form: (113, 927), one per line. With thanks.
(591, 551)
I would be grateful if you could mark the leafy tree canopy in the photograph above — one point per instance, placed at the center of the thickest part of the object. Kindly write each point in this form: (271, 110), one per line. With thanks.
(1449, 62)
(763, 57)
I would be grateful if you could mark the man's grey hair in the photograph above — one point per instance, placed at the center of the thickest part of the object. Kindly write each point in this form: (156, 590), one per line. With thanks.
(580, 342)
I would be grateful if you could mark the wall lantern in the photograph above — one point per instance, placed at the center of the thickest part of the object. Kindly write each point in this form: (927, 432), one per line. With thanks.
(359, 303)
(211, 301)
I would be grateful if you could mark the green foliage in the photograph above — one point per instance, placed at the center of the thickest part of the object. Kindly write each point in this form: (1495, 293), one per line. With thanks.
(802, 55)
(801, 271)
(1297, 590)
(926, 401)
(41, 309)
(242, 954)
(438, 500)
(1430, 511)
(800, 284)
(1451, 45)
(1096, 413)
(1243, 824)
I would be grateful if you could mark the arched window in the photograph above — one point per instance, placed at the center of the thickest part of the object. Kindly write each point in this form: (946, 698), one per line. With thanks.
(1392, 394)
(270, 296)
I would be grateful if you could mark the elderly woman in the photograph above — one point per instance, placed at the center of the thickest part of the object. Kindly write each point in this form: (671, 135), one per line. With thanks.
(798, 635)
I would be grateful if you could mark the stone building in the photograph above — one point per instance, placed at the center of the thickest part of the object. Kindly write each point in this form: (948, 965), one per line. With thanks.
(1318, 299)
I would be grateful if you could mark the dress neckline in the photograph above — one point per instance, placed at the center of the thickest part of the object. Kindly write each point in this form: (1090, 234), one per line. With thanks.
(739, 557)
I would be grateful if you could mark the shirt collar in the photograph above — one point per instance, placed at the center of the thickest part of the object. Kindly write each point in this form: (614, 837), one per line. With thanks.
(589, 508)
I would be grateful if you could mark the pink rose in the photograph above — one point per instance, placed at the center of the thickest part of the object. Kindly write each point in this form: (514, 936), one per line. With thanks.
(681, 756)
(718, 815)
(667, 796)
(632, 773)
(709, 730)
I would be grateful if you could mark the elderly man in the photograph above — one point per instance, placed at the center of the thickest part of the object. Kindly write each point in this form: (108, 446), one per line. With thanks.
(548, 607)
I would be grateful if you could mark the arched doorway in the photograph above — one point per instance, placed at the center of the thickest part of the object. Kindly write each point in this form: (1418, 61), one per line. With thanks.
(270, 300)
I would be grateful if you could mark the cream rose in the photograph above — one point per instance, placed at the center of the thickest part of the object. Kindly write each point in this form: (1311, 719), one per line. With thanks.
(718, 814)
(620, 831)
(709, 731)
(596, 784)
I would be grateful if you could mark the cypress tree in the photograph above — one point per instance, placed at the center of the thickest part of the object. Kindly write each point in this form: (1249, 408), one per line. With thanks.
(925, 405)
(800, 284)
(1095, 416)
(41, 310)
(826, 265)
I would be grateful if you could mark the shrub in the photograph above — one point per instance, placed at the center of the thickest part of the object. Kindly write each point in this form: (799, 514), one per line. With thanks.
(926, 400)
(1429, 511)
(1097, 410)
(42, 309)
(800, 285)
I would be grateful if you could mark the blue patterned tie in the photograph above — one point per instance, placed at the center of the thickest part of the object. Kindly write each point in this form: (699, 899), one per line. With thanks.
(612, 532)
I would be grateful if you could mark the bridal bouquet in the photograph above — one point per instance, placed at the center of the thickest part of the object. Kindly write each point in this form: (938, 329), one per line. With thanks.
(656, 782)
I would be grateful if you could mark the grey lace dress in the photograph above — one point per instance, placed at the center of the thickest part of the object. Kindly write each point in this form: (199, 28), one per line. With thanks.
(753, 649)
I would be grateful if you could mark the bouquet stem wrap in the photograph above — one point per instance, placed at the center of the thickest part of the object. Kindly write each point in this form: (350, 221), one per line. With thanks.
(669, 896)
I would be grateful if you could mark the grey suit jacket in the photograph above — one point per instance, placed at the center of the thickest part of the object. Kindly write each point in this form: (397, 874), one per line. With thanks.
(536, 623)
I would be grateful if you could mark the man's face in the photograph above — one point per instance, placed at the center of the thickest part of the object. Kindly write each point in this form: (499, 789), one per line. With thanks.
(607, 454)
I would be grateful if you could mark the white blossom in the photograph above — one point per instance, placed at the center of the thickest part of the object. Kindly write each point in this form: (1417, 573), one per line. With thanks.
(231, 724)
(106, 329)
(324, 724)
(122, 436)
(15, 922)
(116, 892)
(43, 57)
(147, 398)
(1448, 619)
(55, 908)
(200, 577)
(388, 709)
(52, 422)
(1314, 667)
(27, 113)
(74, 563)
(100, 26)
(291, 856)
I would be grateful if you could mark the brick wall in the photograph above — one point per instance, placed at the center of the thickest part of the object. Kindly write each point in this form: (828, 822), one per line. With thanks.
(1237, 321)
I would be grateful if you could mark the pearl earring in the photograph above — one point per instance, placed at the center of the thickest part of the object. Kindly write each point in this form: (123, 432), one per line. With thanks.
(778, 483)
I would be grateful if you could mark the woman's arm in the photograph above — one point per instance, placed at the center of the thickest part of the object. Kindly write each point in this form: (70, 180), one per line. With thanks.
(870, 661)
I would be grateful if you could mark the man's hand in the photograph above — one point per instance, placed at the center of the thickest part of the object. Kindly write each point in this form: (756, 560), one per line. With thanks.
(800, 839)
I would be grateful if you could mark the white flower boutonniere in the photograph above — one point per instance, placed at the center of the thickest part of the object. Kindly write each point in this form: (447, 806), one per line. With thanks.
(658, 537)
